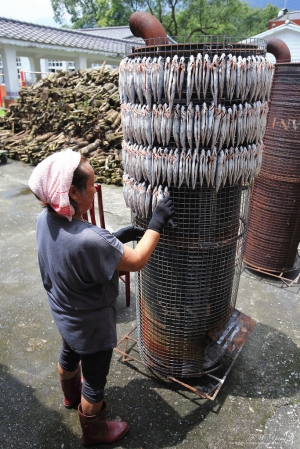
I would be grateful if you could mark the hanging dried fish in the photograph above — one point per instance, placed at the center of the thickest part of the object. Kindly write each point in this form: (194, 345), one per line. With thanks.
(169, 124)
(138, 81)
(173, 80)
(190, 80)
(202, 160)
(222, 75)
(223, 128)
(188, 167)
(207, 166)
(213, 166)
(154, 78)
(160, 78)
(148, 201)
(148, 88)
(181, 75)
(204, 119)
(176, 124)
(170, 168)
(243, 79)
(167, 71)
(239, 126)
(163, 126)
(153, 166)
(210, 123)
(182, 168)
(230, 164)
(190, 124)
(206, 75)
(238, 77)
(228, 125)
(195, 168)
(214, 79)
(183, 126)
(225, 167)
(158, 121)
(149, 161)
(130, 82)
(197, 126)
(217, 125)
(142, 199)
(154, 198)
(143, 154)
(176, 163)
(164, 166)
(198, 75)
(219, 170)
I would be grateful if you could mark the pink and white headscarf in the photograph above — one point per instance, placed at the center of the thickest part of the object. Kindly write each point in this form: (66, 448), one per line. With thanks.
(51, 180)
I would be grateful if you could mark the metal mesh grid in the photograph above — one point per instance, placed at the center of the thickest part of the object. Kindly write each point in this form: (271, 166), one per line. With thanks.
(191, 281)
(203, 43)
(274, 230)
(190, 284)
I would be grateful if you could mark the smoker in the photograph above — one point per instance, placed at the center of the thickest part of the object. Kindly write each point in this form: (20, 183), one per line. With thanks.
(274, 230)
(186, 295)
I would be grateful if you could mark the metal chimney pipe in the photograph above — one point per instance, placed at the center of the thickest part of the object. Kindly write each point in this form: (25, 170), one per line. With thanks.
(148, 27)
(279, 49)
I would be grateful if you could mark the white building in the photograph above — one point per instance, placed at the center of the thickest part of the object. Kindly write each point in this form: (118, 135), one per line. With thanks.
(289, 33)
(37, 48)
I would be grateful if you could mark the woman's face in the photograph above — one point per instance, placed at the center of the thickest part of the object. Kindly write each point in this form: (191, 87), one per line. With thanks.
(84, 199)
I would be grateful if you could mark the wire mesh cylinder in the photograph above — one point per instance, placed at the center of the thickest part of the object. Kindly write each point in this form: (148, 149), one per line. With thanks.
(274, 230)
(190, 284)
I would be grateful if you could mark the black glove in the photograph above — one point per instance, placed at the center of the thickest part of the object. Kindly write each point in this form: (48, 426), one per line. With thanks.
(129, 233)
(163, 212)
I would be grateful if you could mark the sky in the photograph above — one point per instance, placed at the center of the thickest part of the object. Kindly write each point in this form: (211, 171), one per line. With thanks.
(39, 12)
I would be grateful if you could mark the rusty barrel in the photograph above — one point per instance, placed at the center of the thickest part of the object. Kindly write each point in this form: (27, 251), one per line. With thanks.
(274, 230)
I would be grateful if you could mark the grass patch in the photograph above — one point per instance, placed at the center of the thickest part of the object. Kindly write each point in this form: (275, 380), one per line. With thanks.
(2, 112)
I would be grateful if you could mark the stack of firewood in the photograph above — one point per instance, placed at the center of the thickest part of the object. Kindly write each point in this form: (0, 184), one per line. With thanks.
(78, 110)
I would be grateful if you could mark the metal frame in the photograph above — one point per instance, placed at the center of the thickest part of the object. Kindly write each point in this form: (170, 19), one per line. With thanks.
(288, 282)
(231, 337)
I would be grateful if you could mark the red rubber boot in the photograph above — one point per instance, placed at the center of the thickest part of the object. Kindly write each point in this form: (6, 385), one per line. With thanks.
(72, 390)
(96, 430)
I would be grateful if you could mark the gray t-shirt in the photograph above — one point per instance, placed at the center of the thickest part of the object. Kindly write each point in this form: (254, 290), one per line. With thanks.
(77, 263)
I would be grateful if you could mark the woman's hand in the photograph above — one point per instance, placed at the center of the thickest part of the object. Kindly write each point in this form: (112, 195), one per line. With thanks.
(129, 234)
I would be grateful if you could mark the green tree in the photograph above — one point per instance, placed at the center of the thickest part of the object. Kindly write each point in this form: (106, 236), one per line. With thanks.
(189, 18)
(82, 13)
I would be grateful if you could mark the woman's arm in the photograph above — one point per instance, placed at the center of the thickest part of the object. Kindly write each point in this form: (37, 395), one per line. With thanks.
(135, 259)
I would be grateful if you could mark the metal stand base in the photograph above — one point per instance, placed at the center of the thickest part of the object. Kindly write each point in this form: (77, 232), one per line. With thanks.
(287, 281)
(228, 339)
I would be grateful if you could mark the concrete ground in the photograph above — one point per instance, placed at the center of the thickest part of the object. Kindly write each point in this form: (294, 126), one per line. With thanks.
(258, 406)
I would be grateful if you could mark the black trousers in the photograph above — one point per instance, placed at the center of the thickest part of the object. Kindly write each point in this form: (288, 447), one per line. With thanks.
(95, 368)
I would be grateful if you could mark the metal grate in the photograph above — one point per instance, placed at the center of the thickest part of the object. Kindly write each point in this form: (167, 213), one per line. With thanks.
(190, 284)
(191, 281)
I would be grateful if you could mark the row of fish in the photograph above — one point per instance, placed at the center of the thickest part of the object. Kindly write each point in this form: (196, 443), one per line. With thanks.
(144, 166)
(142, 199)
(149, 80)
(194, 127)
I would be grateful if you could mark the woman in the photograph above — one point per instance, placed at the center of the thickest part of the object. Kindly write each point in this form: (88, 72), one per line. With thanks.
(78, 263)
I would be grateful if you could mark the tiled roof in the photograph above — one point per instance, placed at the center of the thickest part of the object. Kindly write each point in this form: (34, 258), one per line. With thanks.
(120, 32)
(89, 40)
(290, 15)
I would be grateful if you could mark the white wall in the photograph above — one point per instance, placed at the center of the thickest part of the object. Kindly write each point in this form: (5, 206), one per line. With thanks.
(292, 40)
